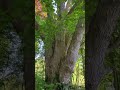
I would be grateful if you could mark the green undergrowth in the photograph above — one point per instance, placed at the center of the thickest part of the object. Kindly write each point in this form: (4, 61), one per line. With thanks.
(77, 77)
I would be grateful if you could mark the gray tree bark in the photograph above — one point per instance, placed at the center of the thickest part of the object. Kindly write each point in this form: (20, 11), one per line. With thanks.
(97, 40)
(67, 66)
(61, 57)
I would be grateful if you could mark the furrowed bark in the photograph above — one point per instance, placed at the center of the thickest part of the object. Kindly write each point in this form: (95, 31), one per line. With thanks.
(97, 41)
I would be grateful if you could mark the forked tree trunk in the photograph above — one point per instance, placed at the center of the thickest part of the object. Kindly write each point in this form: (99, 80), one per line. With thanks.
(61, 57)
(68, 64)
(97, 41)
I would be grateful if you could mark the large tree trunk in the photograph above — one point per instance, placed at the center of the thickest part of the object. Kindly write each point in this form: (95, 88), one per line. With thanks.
(68, 64)
(60, 58)
(53, 55)
(97, 41)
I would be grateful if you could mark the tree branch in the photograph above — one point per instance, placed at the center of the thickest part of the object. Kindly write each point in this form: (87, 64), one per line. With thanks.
(73, 8)
(77, 36)
(72, 54)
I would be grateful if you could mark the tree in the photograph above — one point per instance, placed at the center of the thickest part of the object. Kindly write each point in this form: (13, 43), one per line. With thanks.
(16, 13)
(62, 41)
(112, 58)
(98, 37)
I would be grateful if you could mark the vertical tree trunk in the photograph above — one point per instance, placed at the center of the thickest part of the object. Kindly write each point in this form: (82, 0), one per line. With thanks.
(29, 65)
(97, 41)
(60, 60)
(116, 75)
(61, 57)
(53, 55)
(68, 64)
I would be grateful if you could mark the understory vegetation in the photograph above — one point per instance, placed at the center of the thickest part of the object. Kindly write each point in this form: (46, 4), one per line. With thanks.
(77, 80)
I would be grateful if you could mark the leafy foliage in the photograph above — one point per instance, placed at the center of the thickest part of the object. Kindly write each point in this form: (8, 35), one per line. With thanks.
(77, 78)
(50, 26)
(57, 21)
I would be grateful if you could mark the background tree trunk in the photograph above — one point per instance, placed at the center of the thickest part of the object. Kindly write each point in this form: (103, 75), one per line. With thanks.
(53, 55)
(68, 64)
(60, 58)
